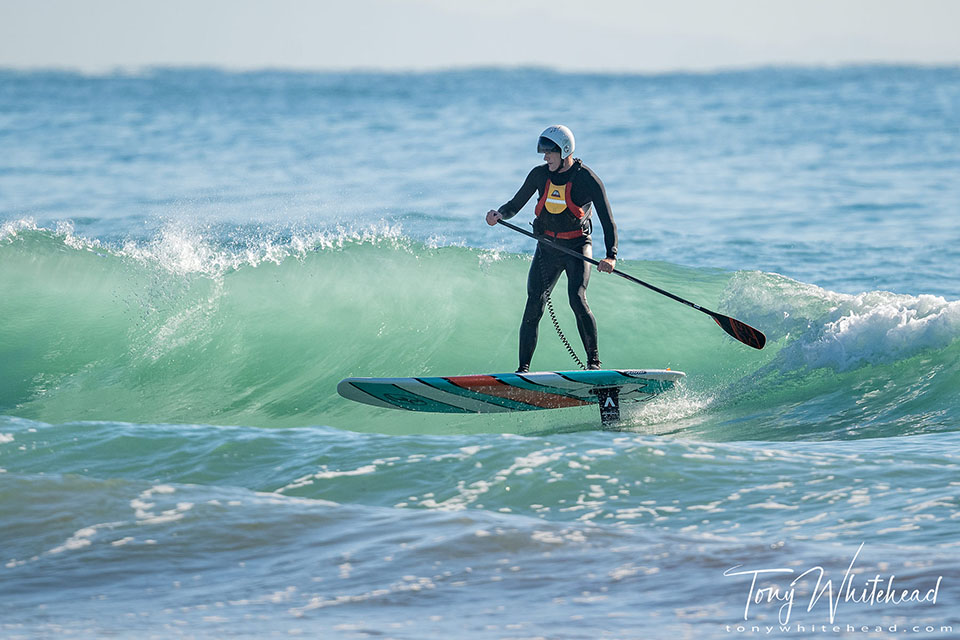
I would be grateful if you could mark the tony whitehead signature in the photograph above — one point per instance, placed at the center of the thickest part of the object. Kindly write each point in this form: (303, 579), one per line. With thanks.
(877, 590)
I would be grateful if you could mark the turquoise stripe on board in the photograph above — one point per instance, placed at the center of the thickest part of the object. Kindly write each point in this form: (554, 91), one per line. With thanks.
(406, 399)
(615, 378)
(599, 378)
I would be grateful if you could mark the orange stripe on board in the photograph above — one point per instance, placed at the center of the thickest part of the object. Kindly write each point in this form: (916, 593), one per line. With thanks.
(494, 387)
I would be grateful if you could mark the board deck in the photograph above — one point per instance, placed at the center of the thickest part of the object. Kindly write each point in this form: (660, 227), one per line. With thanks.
(508, 392)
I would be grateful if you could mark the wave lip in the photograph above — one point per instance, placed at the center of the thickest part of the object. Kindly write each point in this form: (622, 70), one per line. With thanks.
(880, 327)
(842, 332)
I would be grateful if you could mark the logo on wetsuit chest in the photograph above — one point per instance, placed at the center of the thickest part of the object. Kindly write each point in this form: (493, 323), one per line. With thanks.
(556, 201)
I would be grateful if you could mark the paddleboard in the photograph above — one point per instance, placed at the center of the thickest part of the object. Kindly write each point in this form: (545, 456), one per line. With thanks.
(508, 392)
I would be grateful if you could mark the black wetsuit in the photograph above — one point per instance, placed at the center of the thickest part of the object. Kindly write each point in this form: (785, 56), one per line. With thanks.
(583, 188)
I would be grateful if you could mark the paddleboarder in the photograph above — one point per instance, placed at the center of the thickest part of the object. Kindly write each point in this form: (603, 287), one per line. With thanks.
(568, 192)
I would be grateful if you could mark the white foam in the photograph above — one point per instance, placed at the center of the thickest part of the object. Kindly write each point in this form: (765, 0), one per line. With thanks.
(82, 538)
(773, 505)
(64, 230)
(182, 249)
(547, 537)
(143, 508)
(10, 228)
(842, 331)
(78, 540)
(877, 328)
(325, 474)
(408, 584)
(162, 489)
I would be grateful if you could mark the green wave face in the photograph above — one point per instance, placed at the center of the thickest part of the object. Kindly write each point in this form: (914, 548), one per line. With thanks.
(180, 331)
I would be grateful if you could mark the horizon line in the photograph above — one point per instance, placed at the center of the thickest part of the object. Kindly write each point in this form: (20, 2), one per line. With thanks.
(146, 69)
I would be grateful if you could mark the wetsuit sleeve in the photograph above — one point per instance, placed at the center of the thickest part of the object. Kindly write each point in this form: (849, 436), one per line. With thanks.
(510, 209)
(602, 206)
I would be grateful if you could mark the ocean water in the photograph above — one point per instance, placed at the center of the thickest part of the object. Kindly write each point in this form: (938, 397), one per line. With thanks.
(191, 259)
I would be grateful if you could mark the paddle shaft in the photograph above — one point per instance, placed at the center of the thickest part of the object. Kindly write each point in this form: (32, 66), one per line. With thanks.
(739, 330)
(577, 254)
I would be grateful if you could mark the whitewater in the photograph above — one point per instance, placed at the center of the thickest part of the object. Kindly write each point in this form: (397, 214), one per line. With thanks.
(191, 259)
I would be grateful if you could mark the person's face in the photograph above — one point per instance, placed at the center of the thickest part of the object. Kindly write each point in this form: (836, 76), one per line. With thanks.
(553, 160)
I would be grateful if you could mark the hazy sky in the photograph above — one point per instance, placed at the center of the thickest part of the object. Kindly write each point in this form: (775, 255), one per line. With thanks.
(615, 35)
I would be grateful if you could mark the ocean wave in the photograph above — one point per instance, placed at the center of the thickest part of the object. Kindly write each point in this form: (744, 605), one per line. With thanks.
(257, 327)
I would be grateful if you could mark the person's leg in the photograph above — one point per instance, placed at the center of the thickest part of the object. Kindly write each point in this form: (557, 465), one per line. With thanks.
(544, 272)
(578, 276)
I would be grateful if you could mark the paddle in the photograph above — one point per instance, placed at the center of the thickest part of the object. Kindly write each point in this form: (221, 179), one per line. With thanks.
(738, 330)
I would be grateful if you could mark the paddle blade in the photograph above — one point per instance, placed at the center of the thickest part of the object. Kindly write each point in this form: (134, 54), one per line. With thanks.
(742, 332)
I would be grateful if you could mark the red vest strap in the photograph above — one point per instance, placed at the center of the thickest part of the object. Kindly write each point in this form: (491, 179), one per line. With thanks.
(542, 200)
(568, 196)
(577, 211)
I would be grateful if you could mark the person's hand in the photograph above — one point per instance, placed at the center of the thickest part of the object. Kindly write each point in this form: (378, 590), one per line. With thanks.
(493, 216)
(607, 265)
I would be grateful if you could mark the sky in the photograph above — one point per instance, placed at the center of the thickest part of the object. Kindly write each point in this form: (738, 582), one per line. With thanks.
(578, 35)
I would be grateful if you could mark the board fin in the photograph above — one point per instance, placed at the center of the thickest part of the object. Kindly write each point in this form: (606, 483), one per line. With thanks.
(609, 400)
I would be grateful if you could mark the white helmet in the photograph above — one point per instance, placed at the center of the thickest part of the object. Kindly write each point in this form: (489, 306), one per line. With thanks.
(556, 138)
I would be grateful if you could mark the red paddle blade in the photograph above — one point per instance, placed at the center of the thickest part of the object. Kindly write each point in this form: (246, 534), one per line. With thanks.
(741, 331)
